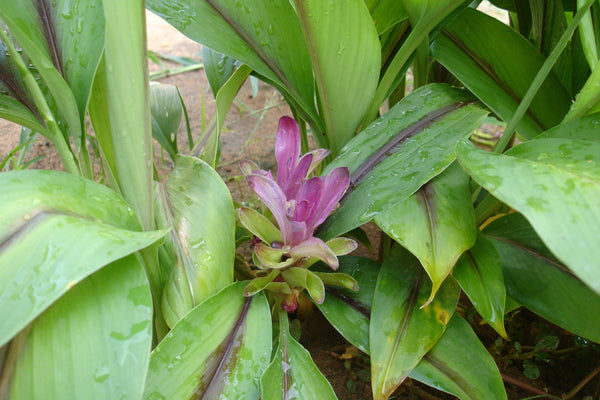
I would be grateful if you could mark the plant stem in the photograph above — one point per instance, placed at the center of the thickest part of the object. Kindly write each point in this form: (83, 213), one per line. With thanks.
(539, 79)
(581, 384)
(514, 381)
(165, 73)
(56, 135)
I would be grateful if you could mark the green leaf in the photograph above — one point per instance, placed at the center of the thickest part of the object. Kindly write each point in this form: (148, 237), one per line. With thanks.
(99, 116)
(586, 128)
(387, 13)
(76, 226)
(265, 35)
(79, 31)
(538, 281)
(407, 147)
(218, 350)
(203, 235)
(217, 67)
(479, 274)
(549, 23)
(349, 311)
(430, 14)
(450, 365)
(588, 99)
(207, 145)
(587, 35)
(338, 279)
(491, 73)
(32, 32)
(292, 374)
(555, 183)
(341, 246)
(93, 343)
(346, 58)
(258, 284)
(403, 329)
(305, 279)
(128, 104)
(436, 224)
(259, 225)
(15, 111)
(166, 112)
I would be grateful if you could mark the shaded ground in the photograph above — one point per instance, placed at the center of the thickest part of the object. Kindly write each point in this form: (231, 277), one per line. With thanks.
(250, 132)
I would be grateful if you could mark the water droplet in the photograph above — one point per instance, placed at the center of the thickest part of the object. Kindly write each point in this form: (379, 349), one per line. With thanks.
(101, 373)
(79, 26)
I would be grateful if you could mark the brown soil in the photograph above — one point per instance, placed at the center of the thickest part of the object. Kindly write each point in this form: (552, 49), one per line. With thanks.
(250, 132)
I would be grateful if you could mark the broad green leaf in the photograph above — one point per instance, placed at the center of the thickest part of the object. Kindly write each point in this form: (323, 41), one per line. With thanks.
(588, 100)
(265, 35)
(407, 147)
(166, 112)
(459, 364)
(292, 375)
(479, 274)
(349, 311)
(346, 58)
(217, 351)
(454, 354)
(203, 235)
(436, 224)
(587, 35)
(549, 23)
(387, 13)
(430, 14)
(79, 28)
(218, 68)
(555, 183)
(207, 146)
(34, 34)
(29, 191)
(99, 116)
(403, 329)
(93, 343)
(586, 128)
(538, 281)
(15, 111)
(128, 104)
(491, 73)
(75, 226)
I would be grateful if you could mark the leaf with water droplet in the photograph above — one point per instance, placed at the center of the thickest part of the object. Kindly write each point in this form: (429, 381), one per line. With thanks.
(292, 373)
(74, 235)
(226, 342)
(58, 349)
(203, 238)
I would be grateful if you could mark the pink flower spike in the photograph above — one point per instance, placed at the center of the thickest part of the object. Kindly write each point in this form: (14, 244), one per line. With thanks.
(274, 198)
(298, 176)
(307, 200)
(287, 149)
(334, 186)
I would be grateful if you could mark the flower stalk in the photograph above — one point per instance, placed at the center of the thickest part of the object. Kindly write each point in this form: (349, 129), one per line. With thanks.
(298, 204)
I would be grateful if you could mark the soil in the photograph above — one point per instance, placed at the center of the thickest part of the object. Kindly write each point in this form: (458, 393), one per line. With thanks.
(250, 134)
